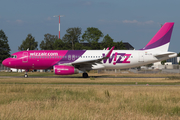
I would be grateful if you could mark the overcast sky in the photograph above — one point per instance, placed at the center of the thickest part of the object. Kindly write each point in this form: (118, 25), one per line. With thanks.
(133, 21)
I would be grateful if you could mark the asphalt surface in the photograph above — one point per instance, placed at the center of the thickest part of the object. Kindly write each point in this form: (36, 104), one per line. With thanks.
(91, 84)
(74, 77)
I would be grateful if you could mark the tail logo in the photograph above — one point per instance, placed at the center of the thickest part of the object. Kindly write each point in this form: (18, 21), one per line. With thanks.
(162, 37)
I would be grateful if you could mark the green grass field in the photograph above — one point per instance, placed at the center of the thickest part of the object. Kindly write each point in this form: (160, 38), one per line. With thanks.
(91, 98)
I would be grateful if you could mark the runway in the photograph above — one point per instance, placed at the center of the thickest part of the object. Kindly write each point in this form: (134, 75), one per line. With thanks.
(75, 77)
(96, 81)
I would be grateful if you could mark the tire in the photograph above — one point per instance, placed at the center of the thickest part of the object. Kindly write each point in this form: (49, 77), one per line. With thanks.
(26, 75)
(85, 75)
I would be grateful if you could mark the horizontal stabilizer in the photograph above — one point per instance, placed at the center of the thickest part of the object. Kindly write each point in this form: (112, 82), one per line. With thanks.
(166, 54)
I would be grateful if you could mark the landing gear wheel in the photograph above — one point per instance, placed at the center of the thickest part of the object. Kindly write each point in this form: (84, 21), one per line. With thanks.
(26, 75)
(85, 75)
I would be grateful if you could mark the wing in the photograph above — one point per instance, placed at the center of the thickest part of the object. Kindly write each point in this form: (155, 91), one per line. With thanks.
(89, 63)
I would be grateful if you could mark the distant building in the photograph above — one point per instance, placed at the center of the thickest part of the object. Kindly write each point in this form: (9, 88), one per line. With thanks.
(157, 65)
(168, 65)
(128, 46)
(174, 60)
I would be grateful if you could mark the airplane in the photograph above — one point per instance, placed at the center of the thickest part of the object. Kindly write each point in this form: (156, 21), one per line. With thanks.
(68, 62)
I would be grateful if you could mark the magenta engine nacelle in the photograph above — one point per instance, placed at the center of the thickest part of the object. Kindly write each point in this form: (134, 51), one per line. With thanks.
(65, 70)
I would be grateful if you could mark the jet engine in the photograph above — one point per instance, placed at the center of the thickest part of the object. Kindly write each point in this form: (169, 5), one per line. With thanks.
(65, 70)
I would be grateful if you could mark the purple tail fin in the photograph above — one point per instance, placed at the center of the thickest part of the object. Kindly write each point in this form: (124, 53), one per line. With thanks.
(162, 37)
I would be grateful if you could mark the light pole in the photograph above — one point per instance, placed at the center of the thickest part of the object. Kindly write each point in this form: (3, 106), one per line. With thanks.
(59, 22)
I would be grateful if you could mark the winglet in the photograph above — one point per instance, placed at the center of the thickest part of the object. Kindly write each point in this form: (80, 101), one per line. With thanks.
(109, 53)
(107, 48)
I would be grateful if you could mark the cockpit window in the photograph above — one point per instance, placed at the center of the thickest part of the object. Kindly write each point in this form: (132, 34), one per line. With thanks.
(13, 56)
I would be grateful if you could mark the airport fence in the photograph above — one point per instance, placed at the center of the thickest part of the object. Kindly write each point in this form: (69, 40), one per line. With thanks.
(4, 68)
(145, 70)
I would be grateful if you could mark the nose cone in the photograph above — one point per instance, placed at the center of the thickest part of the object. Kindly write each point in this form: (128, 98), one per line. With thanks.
(5, 62)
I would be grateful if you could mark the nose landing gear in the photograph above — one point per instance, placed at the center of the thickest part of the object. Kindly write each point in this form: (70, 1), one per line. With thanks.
(26, 75)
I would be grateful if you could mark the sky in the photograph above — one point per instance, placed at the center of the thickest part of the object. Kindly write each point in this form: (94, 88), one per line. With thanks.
(133, 21)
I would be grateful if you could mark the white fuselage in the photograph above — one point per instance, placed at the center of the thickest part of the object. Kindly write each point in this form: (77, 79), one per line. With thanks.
(124, 58)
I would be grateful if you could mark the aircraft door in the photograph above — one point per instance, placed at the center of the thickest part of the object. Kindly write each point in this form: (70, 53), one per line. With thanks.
(25, 57)
(141, 57)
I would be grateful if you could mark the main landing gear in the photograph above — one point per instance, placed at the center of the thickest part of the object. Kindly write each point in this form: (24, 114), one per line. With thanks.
(85, 75)
(26, 75)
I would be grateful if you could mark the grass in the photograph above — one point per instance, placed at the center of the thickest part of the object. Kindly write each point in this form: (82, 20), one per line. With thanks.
(92, 78)
(99, 98)
(173, 78)
(88, 102)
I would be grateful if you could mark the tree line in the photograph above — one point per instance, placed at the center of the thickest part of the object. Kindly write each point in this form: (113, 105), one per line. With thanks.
(72, 40)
